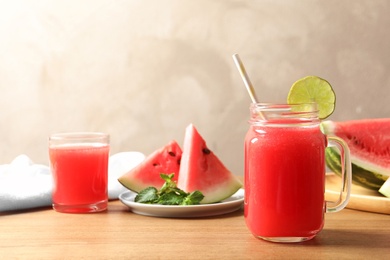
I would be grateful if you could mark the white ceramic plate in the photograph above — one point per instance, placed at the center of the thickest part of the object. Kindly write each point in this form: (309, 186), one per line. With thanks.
(192, 211)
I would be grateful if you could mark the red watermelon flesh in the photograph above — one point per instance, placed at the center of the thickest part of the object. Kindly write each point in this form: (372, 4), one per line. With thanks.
(368, 141)
(201, 170)
(147, 174)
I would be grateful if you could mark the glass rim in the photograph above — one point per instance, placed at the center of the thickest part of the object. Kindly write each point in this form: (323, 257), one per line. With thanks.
(78, 136)
(297, 108)
(277, 106)
(292, 114)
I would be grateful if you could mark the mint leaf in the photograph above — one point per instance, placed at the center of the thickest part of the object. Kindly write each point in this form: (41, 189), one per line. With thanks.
(193, 198)
(167, 177)
(148, 195)
(169, 194)
(171, 198)
(169, 184)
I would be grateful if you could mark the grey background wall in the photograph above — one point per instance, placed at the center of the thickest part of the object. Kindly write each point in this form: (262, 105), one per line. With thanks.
(143, 70)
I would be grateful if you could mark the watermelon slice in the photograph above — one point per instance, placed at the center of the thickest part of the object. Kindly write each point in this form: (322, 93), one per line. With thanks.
(201, 170)
(369, 144)
(147, 173)
(385, 189)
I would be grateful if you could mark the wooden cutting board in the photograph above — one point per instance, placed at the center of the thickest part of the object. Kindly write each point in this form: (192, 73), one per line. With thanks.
(361, 198)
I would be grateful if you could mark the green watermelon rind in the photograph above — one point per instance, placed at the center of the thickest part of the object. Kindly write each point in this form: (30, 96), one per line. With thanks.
(217, 195)
(385, 189)
(138, 178)
(204, 171)
(360, 175)
(329, 128)
(364, 172)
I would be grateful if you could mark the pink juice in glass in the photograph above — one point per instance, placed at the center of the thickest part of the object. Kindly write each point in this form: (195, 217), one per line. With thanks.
(285, 172)
(285, 168)
(80, 174)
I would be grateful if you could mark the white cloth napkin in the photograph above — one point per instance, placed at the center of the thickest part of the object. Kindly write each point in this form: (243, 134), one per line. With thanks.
(118, 165)
(25, 185)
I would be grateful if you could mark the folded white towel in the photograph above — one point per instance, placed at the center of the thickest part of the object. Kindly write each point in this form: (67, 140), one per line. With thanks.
(118, 165)
(25, 185)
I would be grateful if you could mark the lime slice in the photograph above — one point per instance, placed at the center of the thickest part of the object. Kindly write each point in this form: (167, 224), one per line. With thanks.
(313, 89)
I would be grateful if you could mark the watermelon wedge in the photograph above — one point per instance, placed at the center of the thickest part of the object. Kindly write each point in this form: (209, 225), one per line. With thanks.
(147, 173)
(369, 144)
(385, 189)
(201, 170)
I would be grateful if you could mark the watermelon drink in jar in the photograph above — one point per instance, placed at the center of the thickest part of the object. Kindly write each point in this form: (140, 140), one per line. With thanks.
(79, 164)
(285, 172)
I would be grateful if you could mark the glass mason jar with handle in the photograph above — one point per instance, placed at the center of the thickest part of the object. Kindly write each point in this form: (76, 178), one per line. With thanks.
(285, 172)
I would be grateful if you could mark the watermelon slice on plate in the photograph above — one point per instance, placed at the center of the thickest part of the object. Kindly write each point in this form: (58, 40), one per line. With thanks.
(369, 144)
(147, 173)
(201, 170)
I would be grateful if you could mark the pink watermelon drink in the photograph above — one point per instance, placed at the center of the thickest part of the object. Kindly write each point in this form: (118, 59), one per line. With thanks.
(285, 174)
(287, 166)
(79, 172)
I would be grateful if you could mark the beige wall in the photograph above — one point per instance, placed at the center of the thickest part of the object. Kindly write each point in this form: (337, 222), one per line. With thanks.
(143, 70)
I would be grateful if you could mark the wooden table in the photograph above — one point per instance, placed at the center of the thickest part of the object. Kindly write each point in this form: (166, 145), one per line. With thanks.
(121, 234)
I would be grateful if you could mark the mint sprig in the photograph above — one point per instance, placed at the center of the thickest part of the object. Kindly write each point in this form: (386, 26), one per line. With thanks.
(169, 194)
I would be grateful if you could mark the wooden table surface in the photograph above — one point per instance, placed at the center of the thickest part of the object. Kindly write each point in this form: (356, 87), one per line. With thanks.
(121, 234)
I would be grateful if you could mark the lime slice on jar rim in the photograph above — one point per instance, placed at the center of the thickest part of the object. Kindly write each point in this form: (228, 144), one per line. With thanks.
(313, 89)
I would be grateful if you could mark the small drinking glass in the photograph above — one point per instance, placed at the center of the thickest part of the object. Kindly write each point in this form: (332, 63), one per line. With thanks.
(79, 164)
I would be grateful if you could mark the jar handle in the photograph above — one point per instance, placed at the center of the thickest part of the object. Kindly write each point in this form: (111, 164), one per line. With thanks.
(346, 175)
